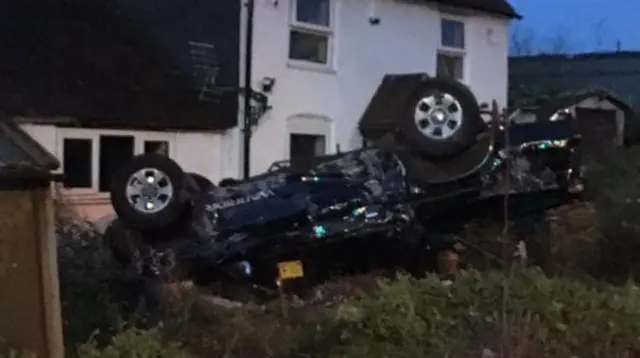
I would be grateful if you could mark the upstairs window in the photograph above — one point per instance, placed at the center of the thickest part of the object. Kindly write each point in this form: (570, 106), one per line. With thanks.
(452, 34)
(451, 65)
(451, 52)
(311, 32)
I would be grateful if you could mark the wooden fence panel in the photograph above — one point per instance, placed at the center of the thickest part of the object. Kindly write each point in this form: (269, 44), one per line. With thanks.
(29, 294)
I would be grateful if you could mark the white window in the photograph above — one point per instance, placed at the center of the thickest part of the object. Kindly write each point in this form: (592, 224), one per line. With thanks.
(311, 32)
(90, 157)
(451, 53)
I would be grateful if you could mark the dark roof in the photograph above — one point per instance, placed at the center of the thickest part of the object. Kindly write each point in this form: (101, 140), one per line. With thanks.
(163, 64)
(499, 7)
(534, 76)
(18, 148)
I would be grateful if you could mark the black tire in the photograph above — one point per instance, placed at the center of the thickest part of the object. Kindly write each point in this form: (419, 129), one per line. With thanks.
(468, 128)
(201, 182)
(167, 216)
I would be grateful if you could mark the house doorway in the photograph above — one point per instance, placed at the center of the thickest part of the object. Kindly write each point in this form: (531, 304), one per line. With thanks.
(304, 147)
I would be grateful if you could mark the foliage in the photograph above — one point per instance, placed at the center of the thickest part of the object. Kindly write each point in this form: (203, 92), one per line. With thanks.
(133, 342)
(617, 199)
(97, 294)
(521, 313)
(524, 314)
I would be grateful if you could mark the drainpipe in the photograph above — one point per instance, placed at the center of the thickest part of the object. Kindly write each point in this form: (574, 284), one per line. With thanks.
(248, 91)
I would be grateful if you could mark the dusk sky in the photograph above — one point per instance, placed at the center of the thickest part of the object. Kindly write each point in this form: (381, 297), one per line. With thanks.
(586, 25)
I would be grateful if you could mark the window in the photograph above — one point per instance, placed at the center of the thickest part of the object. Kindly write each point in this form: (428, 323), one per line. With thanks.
(309, 47)
(450, 57)
(76, 160)
(304, 147)
(313, 12)
(452, 33)
(114, 150)
(156, 146)
(311, 32)
(90, 157)
(450, 65)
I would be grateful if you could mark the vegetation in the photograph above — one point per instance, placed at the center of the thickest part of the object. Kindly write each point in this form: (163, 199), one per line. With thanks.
(492, 310)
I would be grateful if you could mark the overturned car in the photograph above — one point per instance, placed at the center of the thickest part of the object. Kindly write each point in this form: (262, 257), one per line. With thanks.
(429, 168)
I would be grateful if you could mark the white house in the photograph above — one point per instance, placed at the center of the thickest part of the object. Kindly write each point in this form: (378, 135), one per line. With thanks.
(325, 59)
(329, 56)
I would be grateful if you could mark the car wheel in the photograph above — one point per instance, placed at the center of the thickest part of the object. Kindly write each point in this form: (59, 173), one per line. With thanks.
(441, 118)
(149, 193)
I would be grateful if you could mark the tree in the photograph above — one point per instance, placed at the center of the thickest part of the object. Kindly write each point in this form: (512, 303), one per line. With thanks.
(525, 42)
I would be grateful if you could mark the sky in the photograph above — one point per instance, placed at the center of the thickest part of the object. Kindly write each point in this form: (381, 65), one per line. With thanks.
(582, 25)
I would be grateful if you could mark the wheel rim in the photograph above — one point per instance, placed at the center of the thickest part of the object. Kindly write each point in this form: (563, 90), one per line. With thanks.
(149, 190)
(438, 116)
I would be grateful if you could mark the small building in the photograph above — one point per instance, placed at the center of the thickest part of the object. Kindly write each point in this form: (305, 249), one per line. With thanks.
(602, 117)
(613, 76)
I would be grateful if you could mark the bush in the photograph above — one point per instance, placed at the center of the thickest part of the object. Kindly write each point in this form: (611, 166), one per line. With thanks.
(97, 294)
(133, 342)
(85, 267)
(520, 314)
(523, 315)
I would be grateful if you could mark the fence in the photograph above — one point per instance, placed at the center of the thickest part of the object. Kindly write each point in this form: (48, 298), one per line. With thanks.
(29, 294)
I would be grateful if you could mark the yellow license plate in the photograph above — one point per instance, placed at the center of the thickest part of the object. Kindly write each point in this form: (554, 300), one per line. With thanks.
(290, 269)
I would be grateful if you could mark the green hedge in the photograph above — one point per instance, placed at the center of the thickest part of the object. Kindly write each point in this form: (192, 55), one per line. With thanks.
(525, 313)
(521, 314)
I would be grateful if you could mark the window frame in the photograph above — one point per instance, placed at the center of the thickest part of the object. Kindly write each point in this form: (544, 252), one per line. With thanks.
(461, 56)
(94, 135)
(454, 51)
(309, 28)
(94, 164)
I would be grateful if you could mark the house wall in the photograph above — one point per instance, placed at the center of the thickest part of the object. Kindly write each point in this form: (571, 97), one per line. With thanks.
(200, 153)
(331, 100)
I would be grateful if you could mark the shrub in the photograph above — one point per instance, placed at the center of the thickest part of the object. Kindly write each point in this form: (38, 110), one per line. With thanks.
(97, 294)
(523, 315)
(616, 195)
(84, 268)
(133, 342)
